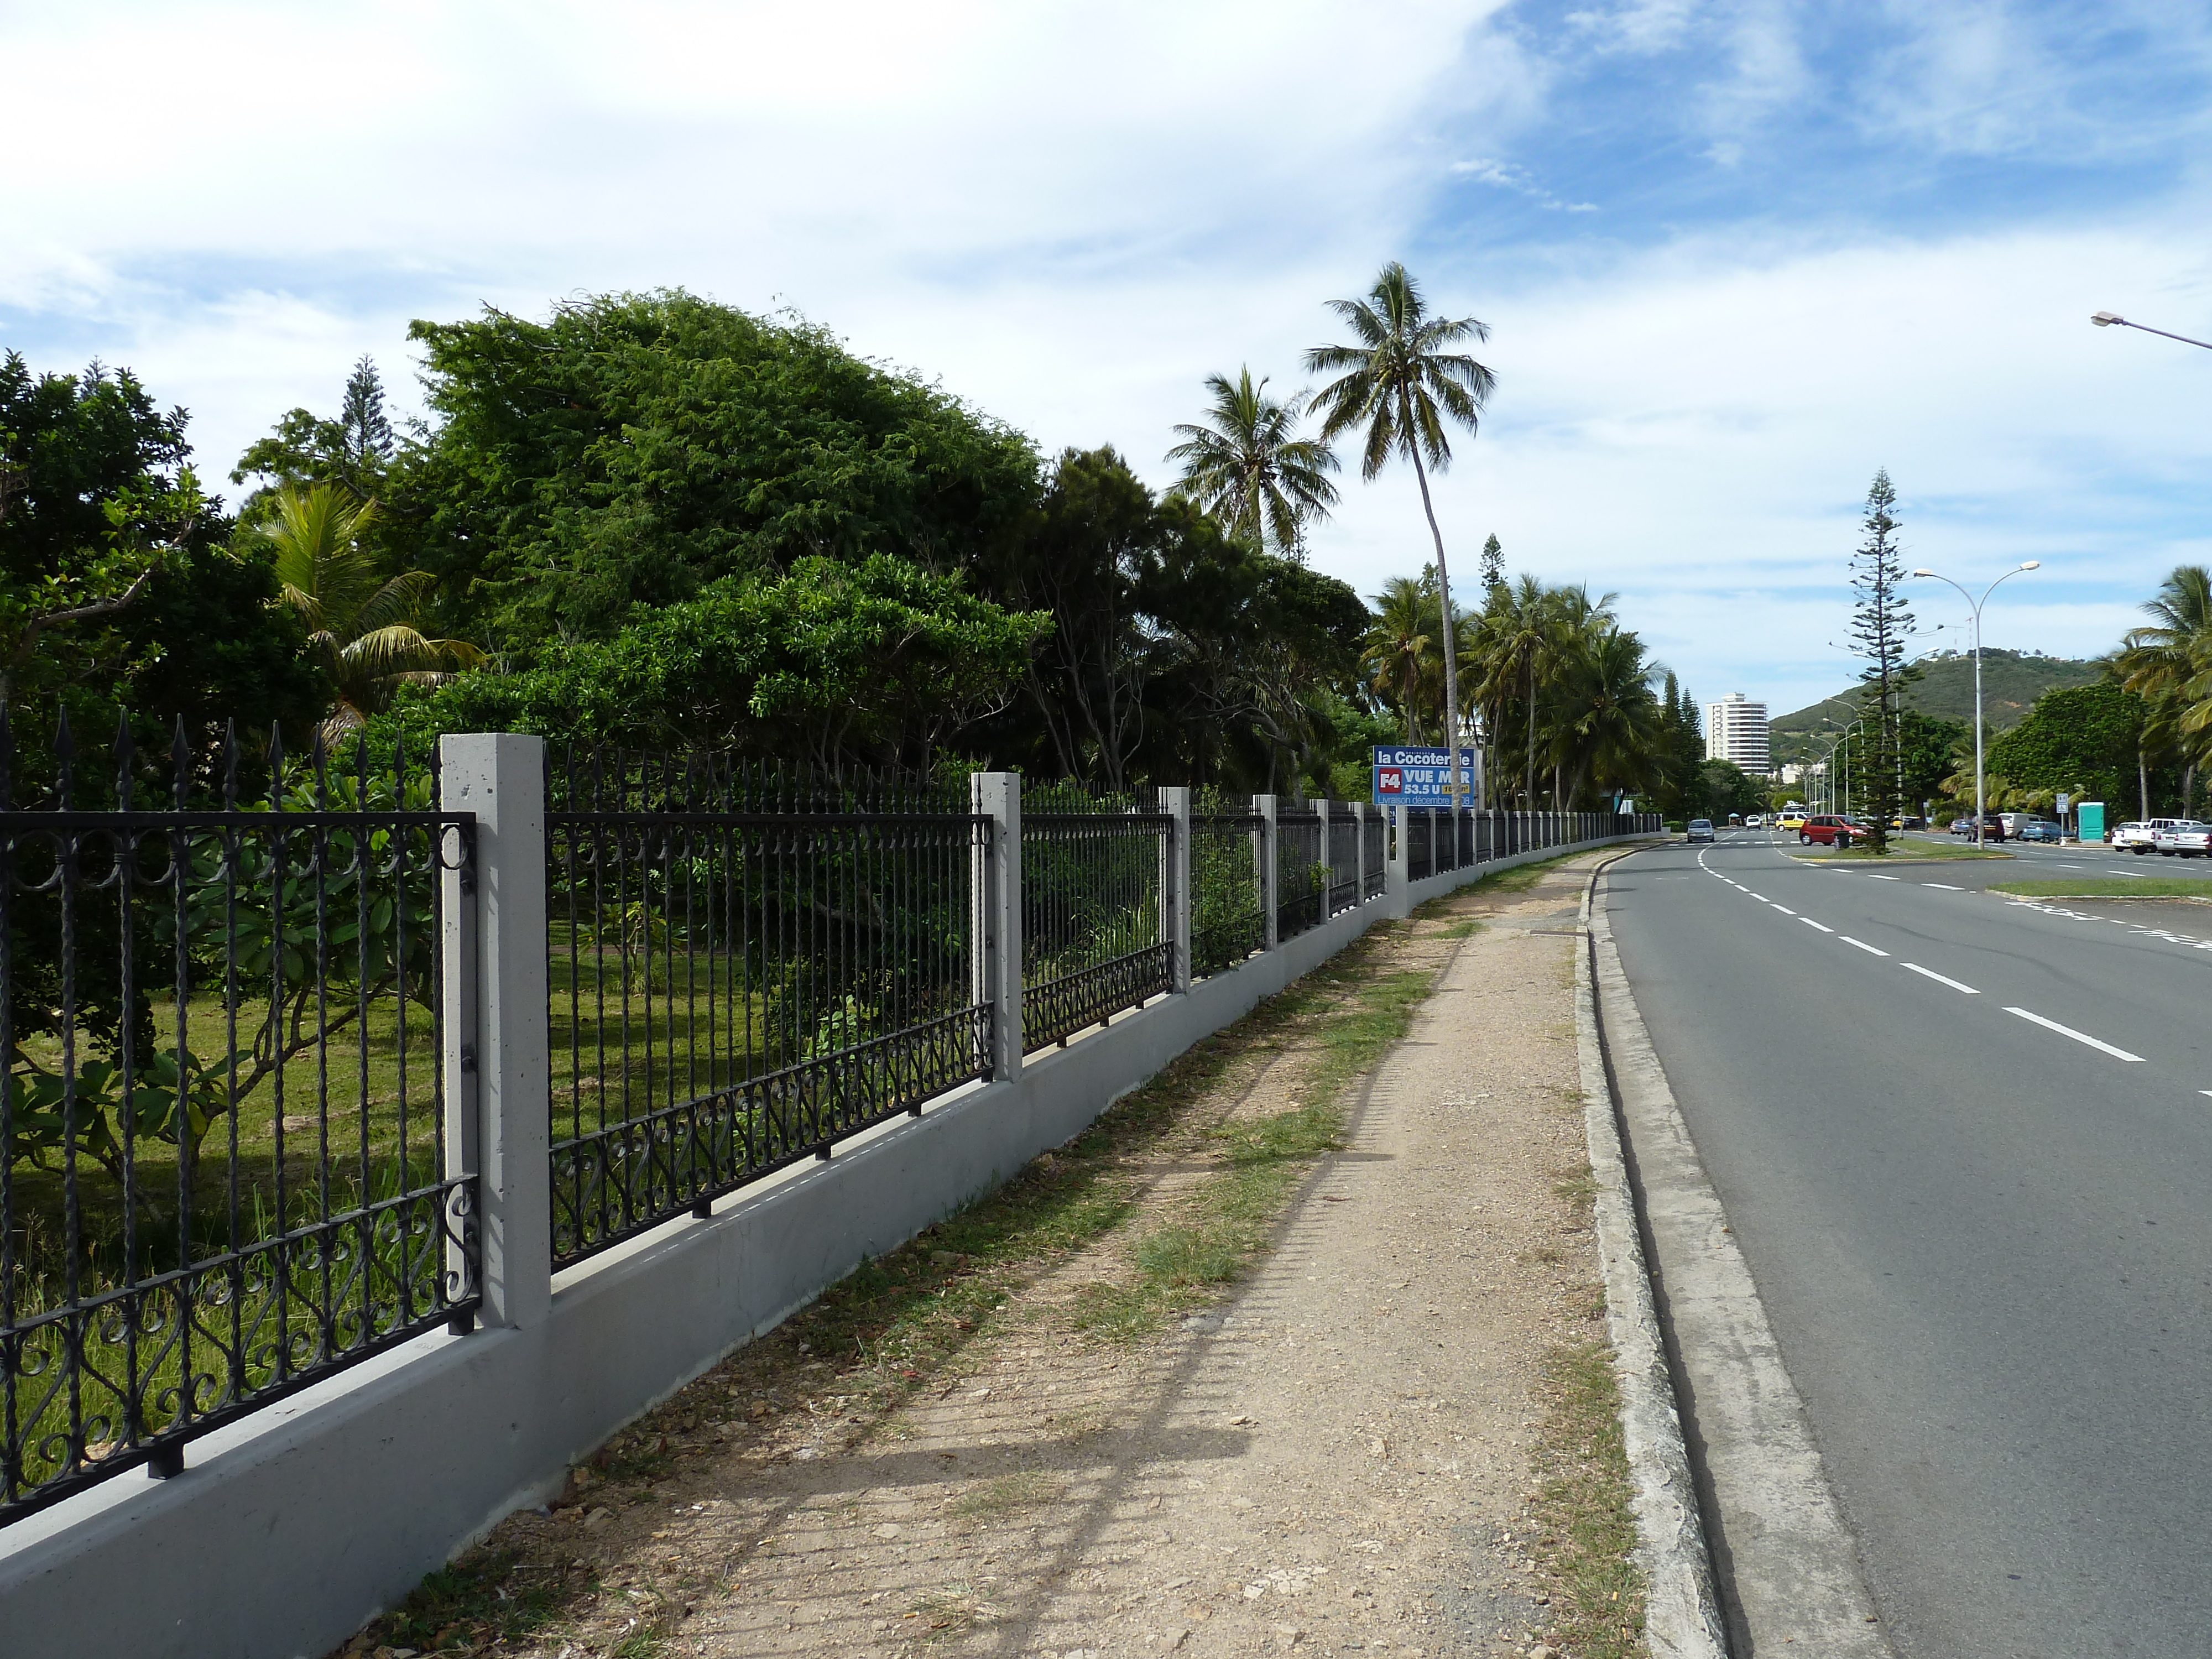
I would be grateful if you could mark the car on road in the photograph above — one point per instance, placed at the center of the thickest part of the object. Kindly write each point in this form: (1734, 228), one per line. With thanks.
(2040, 830)
(2140, 835)
(1700, 829)
(1826, 830)
(1962, 827)
(1790, 821)
(2188, 839)
(1755, 822)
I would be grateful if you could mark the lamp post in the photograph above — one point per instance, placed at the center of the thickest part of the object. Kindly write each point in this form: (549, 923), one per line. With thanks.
(2112, 319)
(1975, 606)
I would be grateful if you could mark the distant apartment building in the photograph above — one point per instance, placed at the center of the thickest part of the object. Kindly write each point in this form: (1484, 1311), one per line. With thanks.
(1735, 730)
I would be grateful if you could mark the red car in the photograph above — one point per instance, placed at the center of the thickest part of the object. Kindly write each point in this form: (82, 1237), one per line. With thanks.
(1828, 830)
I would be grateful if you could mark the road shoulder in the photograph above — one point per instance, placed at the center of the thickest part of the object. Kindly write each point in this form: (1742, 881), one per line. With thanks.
(1786, 1564)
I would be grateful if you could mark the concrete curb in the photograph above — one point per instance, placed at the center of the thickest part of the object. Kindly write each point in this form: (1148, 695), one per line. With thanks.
(1793, 1572)
(1682, 1613)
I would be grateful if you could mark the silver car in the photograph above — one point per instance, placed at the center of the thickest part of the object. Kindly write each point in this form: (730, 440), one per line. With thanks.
(1700, 829)
(2186, 838)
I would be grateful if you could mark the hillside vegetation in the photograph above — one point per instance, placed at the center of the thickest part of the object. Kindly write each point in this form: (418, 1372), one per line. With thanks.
(2011, 682)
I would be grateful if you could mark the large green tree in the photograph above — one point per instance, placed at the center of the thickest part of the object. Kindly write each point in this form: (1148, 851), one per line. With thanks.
(635, 448)
(1399, 383)
(1880, 624)
(2079, 737)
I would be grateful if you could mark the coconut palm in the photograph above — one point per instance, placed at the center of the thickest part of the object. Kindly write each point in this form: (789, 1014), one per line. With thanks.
(1399, 382)
(2169, 664)
(1400, 646)
(1247, 466)
(1609, 732)
(361, 623)
(1519, 636)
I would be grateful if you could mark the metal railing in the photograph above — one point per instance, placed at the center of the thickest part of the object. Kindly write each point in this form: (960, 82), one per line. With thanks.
(1374, 867)
(1344, 869)
(225, 1170)
(745, 967)
(1094, 891)
(1228, 916)
(1301, 868)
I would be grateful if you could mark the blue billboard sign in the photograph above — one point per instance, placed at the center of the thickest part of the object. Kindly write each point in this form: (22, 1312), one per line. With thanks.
(1422, 777)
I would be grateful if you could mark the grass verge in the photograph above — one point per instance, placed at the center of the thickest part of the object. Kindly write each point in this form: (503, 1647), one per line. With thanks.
(2109, 887)
(1588, 1528)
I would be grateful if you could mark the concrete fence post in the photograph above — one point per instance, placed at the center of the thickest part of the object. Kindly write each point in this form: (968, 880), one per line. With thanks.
(1397, 873)
(499, 1116)
(1176, 893)
(995, 934)
(1265, 806)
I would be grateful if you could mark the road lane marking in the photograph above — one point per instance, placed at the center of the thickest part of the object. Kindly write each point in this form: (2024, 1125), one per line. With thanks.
(1863, 945)
(1872, 876)
(2078, 1037)
(1784, 908)
(1809, 922)
(1761, 897)
(1941, 979)
(1945, 885)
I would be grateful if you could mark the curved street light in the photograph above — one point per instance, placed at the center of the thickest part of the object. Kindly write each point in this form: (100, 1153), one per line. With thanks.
(1976, 605)
(2113, 319)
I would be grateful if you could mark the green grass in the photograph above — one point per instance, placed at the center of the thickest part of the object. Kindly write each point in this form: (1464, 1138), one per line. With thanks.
(2109, 887)
(483, 1598)
(1583, 1507)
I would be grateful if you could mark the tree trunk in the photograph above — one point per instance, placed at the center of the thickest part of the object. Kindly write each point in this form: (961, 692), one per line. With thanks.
(2142, 782)
(1444, 591)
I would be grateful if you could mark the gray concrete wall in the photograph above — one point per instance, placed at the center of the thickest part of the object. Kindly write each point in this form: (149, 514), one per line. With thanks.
(289, 1530)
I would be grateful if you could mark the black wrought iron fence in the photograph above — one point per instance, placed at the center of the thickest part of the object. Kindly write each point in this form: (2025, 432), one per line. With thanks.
(1300, 873)
(1227, 922)
(746, 965)
(1375, 869)
(1344, 871)
(223, 1165)
(1094, 874)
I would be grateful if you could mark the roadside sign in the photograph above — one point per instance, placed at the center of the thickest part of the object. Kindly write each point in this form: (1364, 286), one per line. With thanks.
(2062, 799)
(2089, 820)
(1422, 777)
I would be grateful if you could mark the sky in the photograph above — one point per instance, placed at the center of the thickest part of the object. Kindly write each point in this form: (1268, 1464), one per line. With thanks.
(1733, 256)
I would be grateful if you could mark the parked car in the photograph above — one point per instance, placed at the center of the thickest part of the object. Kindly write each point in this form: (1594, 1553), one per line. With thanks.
(1700, 829)
(2140, 835)
(2187, 839)
(1826, 830)
(1962, 827)
(2040, 830)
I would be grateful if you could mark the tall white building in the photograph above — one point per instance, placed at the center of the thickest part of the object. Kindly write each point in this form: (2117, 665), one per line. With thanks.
(1735, 730)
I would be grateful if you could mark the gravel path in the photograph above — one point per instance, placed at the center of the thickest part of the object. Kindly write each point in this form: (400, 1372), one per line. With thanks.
(1340, 1459)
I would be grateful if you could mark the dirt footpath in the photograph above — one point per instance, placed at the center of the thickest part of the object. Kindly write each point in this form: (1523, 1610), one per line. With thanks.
(1374, 1443)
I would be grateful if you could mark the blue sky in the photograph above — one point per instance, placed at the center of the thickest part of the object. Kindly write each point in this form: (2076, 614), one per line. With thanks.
(1735, 256)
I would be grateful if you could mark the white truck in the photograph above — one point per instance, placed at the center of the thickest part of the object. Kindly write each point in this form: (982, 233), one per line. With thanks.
(2141, 835)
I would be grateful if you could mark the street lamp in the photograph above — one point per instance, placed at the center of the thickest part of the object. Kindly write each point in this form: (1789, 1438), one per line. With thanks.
(2109, 318)
(1976, 605)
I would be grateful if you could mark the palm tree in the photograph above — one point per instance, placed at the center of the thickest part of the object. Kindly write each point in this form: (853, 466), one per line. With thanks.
(2169, 664)
(361, 624)
(1398, 646)
(1247, 466)
(1613, 734)
(1519, 636)
(1399, 383)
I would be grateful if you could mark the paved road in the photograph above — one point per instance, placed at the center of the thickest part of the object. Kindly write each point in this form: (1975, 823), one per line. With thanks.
(1967, 1143)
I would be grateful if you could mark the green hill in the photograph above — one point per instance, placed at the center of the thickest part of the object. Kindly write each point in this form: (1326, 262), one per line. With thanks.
(2011, 682)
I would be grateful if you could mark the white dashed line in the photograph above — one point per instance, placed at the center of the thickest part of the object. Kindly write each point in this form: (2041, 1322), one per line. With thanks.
(1784, 908)
(2078, 1037)
(1875, 878)
(1761, 897)
(1868, 949)
(1941, 979)
(1945, 885)
(1809, 922)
